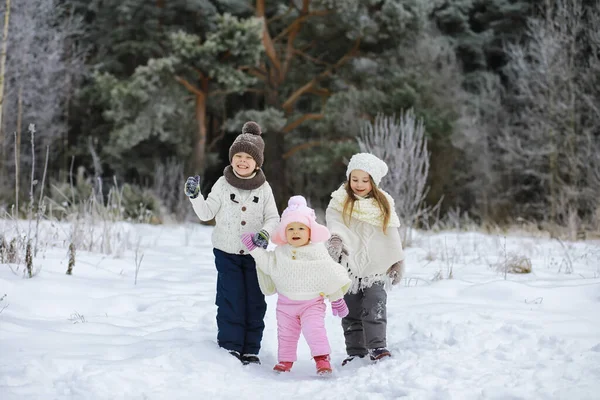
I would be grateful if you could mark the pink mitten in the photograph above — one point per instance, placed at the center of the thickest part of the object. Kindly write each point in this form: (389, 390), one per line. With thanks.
(339, 308)
(247, 241)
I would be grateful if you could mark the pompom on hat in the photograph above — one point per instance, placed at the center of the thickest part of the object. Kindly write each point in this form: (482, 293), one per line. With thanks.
(298, 211)
(368, 163)
(249, 141)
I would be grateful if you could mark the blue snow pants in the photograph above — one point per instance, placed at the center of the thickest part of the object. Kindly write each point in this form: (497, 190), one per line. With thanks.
(241, 306)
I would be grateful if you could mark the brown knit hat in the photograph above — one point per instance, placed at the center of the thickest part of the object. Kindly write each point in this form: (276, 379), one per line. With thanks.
(250, 141)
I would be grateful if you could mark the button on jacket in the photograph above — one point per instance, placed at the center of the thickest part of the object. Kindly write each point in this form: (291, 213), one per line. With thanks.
(237, 211)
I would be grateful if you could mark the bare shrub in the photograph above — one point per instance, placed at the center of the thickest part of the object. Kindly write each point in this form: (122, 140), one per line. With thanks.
(567, 262)
(3, 249)
(77, 318)
(449, 260)
(168, 178)
(12, 253)
(430, 256)
(95, 220)
(402, 144)
(514, 264)
(3, 307)
(453, 220)
(438, 276)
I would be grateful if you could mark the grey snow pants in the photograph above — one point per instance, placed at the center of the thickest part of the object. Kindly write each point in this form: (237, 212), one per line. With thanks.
(365, 325)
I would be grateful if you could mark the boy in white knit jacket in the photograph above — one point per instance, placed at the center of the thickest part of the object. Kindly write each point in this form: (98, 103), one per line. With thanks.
(240, 201)
(365, 238)
(302, 272)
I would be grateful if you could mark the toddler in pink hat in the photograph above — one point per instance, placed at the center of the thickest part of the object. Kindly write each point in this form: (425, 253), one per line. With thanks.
(301, 271)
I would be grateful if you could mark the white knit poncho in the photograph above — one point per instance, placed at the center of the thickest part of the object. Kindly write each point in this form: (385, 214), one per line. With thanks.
(370, 251)
(300, 273)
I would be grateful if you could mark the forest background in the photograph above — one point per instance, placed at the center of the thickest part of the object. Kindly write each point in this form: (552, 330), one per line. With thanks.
(115, 102)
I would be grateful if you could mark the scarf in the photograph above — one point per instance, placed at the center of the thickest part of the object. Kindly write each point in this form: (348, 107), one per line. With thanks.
(365, 209)
(250, 183)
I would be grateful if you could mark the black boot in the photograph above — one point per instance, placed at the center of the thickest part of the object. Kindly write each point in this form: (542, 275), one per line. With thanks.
(379, 353)
(237, 355)
(250, 359)
(350, 358)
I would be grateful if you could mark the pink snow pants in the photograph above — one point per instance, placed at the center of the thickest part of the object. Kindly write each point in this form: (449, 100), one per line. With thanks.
(306, 316)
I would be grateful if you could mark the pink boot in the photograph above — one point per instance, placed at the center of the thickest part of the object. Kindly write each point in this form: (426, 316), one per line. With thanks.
(283, 366)
(323, 365)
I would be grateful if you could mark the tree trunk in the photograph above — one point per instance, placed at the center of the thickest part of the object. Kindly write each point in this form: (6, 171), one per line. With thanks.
(274, 161)
(274, 167)
(18, 145)
(2, 75)
(65, 133)
(199, 160)
(161, 5)
(442, 156)
(277, 64)
(198, 163)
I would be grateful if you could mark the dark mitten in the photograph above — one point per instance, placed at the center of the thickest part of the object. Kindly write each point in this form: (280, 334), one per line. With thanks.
(192, 186)
(261, 239)
(396, 271)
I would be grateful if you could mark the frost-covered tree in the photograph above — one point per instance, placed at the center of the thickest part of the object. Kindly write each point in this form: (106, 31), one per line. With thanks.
(4, 45)
(531, 145)
(43, 64)
(479, 175)
(402, 144)
(550, 154)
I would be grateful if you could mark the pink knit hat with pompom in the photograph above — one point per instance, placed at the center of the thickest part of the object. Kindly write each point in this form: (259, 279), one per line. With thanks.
(298, 211)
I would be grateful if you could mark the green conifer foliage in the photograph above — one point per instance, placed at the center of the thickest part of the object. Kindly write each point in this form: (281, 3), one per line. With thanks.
(150, 104)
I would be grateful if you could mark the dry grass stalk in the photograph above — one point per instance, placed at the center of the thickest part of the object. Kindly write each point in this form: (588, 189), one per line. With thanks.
(71, 259)
(29, 260)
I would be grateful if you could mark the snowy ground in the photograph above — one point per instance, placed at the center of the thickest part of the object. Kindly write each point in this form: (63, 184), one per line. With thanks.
(97, 335)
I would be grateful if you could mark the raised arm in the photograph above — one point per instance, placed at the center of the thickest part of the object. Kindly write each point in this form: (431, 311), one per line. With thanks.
(207, 209)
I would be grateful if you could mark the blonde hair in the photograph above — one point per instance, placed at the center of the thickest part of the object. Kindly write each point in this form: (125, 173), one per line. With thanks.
(382, 202)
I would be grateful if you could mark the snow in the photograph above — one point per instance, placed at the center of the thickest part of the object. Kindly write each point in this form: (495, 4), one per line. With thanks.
(98, 335)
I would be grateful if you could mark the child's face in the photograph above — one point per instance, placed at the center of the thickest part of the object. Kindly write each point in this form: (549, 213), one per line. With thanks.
(297, 234)
(360, 182)
(243, 164)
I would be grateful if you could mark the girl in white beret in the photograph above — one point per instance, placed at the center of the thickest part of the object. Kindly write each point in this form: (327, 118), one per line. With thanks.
(365, 238)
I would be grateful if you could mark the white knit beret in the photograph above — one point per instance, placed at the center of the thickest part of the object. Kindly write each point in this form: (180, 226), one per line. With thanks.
(368, 163)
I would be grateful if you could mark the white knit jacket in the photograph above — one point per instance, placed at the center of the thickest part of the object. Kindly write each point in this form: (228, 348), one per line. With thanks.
(301, 273)
(370, 251)
(237, 211)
